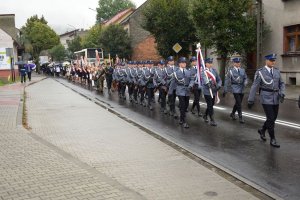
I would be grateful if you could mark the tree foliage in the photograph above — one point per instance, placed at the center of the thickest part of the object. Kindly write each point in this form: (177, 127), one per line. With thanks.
(75, 44)
(115, 40)
(92, 39)
(38, 36)
(169, 22)
(225, 26)
(109, 8)
(58, 52)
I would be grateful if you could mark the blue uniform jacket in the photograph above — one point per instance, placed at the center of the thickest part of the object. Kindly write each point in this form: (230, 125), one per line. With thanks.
(235, 81)
(270, 87)
(184, 82)
(213, 84)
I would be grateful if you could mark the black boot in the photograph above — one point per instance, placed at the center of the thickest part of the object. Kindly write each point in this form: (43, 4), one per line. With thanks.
(262, 134)
(212, 121)
(185, 125)
(241, 120)
(232, 115)
(205, 118)
(192, 110)
(274, 143)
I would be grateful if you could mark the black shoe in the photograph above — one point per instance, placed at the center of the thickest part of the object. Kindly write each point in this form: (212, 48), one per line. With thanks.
(199, 114)
(180, 122)
(165, 111)
(262, 135)
(205, 118)
(274, 143)
(213, 123)
(193, 111)
(185, 125)
(175, 116)
(241, 120)
(232, 115)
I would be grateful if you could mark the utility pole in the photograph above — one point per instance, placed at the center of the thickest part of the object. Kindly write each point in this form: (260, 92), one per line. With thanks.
(259, 8)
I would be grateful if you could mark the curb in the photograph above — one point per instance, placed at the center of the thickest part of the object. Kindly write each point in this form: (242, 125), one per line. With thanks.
(229, 175)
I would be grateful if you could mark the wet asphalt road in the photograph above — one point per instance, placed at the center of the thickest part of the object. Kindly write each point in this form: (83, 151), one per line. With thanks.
(232, 145)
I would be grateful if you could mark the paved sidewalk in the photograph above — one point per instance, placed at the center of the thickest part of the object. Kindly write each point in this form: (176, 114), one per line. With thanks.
(31, 168)
(118, 150)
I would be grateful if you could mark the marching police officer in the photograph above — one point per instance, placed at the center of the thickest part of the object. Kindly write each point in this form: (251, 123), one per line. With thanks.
(170, 69)
(236, 80)
(212, 84)
(150, 82)
(197, 89)
(160, 79)
(184, 83)
(272, 90)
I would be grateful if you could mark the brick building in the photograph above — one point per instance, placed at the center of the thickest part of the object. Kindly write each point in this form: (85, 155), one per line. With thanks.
(142, 42)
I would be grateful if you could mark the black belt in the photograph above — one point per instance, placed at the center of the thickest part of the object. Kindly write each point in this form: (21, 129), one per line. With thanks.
(236, 83)
(269, 90)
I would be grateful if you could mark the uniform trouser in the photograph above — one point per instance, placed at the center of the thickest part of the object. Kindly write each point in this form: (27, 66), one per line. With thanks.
(122, 88)
(172, 99)
(130, 89)
(150, 94)
(210, 105)
(135, 91)
(183, 104)
(163, 96)
(108, 82)
(238, 103)
(271, 112)
(142, 93)
(29, 76)
(197, 94)
(23, 78)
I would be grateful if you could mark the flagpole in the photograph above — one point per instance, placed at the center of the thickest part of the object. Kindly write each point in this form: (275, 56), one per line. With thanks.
(202, 63)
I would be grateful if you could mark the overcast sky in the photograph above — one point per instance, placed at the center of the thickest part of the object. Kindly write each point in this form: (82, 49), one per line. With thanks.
(62, 15)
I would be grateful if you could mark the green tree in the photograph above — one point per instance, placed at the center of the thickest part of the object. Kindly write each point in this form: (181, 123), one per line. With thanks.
(169, 22)
(225, 26)
(91, 40)
(58, 52)
(115, 40)
(109, 8)
(41, 37)
(74, 45)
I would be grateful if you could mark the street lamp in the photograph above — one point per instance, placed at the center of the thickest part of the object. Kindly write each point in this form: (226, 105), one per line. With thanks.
(101, 19)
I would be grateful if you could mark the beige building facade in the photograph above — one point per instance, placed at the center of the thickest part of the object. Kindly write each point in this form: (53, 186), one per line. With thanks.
(283, 17)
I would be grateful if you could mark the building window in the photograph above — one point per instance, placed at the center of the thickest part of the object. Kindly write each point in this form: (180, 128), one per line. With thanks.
(292, 39)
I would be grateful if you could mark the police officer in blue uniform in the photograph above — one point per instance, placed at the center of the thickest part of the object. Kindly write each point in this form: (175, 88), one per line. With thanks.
(170, 69)
(184, 83)
(160, 79)
(272, 89)
(213, 83)
(236, 80)
(149, 82)
(197, 89)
